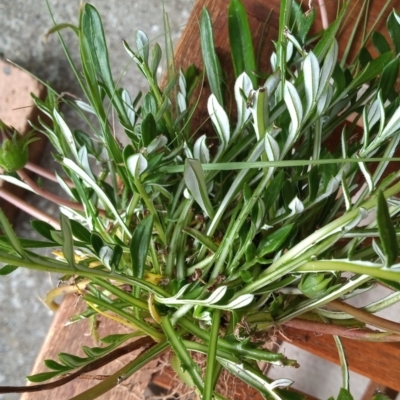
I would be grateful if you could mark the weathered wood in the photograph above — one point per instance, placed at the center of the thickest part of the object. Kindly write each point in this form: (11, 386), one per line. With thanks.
(369, 359)
(69, 339)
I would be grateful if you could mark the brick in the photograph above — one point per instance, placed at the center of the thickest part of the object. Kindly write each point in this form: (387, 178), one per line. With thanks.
(16, 109)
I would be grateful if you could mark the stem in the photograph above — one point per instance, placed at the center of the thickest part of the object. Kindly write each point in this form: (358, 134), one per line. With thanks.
(37, 169)
(366, 317)
(50, 196)
(342, 331)
(123, 373)
(28, 208)
(211, 356)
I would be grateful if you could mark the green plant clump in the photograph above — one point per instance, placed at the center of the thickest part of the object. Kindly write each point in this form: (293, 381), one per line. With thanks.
(222, 238)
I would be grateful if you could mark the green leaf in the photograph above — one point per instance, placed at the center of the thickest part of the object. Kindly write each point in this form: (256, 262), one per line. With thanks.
(388, 78)
(55, 365)
(371, 71)
(387, 232)
(304, 24)
(186, 361)
(142, 44)
(273, 190)
(313, 183)
(42, 377)
(79, 231)
(9, 232)
(295, 108)
(89, 182)
(220, 121)
(210, 58)
(72, 361)
(393, 26)
(380, 396)
(202, 238)
(274, 240)
(344, 394)
(241, 42)
(155, 59)
(7, 269)
(311, 80)
(68, 242)
(196, 184)
(60, 27)
(148, 129)
(140, 245)
(380, 43)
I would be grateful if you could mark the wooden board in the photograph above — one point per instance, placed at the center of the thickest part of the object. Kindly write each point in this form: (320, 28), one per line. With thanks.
(61, 338)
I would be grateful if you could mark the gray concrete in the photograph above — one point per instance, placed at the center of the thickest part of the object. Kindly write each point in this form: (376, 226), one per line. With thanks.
(24, 320)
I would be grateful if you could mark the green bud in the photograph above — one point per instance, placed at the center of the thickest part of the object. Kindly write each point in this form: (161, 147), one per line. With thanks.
(314, 285)
(14, 153)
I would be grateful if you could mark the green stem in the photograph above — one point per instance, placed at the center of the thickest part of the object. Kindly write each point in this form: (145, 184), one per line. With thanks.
(211, 356)
(143, 326)
(182, 353)
(123, 373)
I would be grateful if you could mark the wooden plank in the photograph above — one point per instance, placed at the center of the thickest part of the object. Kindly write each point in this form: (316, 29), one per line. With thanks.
(61, 338)
(370, 359)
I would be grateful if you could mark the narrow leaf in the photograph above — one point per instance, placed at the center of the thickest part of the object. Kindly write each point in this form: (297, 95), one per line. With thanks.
(211, 61)
(311, 80)
(196, 184)
(241, 42)
(220, 120)
(140, 245)
(387, 232)
(7, 269)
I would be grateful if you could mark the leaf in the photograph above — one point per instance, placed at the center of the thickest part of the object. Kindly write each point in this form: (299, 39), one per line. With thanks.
(344, 394)
(68, 242)
(42, 377)
(55, 365)
(11, 236)
(220, 121)
(148, 129)
(7, 269)
(72, 361)
(328, 67)
(371, 71)
(66, 133)
(295, 109)
(380, 43)
(136, 165)
(79, 231)
(139, 246)
(210, 58)
(273, 190)
(92, 184)
(244, 86)
(272, 148)
(311, 80)
(393, 26)
(388, 78)
(274, 240)
(142, 44)
(201, 151)
(196, 184)
(387, 232)
(155, 59)
(43, 228)
(202, 238)
(240, 39)
(392, 126)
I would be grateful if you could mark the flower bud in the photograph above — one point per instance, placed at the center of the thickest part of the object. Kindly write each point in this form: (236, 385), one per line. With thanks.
(314, 285)
(14, 152)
